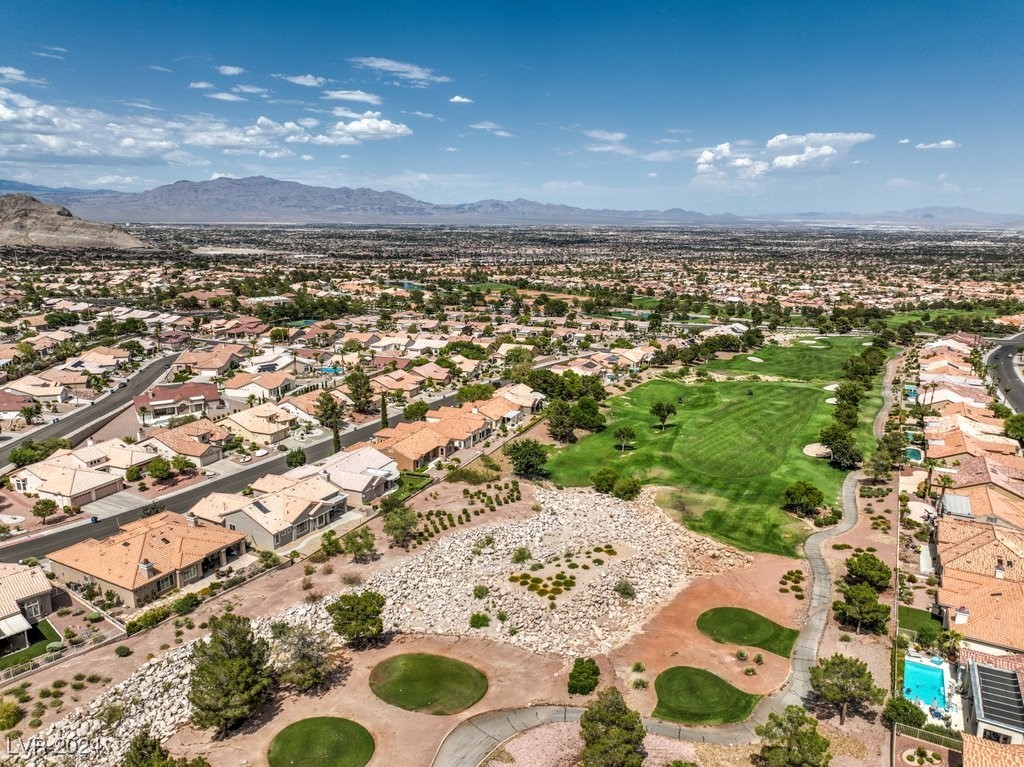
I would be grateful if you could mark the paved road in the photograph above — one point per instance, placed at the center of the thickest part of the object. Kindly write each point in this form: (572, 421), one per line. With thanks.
(470, 742)
(72, 533)
(1007, 370)
(116, 399)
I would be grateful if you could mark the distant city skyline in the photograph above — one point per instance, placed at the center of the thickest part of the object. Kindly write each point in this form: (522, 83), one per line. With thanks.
(734, 106)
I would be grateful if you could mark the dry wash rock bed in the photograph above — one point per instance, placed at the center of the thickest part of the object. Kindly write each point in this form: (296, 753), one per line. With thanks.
(434, 591)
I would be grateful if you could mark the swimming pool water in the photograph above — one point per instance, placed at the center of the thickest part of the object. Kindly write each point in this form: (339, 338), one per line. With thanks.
(924, 682)
(915, 454)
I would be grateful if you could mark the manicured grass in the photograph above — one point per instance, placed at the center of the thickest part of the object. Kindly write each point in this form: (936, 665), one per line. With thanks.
(323, 741)
(430, 684)
(730, 455)
(734, 625)
(409, 483)
(40, 636)
(695, 696)
(801, 362)
(913, 619)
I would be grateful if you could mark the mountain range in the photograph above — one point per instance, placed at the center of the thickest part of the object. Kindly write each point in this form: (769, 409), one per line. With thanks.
(27, 222)
(259, 199)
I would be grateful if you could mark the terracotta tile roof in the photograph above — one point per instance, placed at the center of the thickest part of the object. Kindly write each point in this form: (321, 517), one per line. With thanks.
(167, 540)
(1006, 472)
(995, 607)
(17, 583)
(174, 393)
(192, 439)
(979, 752)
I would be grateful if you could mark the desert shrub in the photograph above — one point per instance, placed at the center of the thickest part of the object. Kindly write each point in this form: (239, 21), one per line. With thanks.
(122, 651)
(479, 620)
(583, 676)
(625, 589)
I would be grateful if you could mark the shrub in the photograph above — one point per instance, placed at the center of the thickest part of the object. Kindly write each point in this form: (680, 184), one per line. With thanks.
(604, 479)
(147, 620)
(10, 714)
(583, 676)
(479, 620)
(627, 488)
(480, 591)
(639, 683)
(639, 667)
(759, 659)
(625, 589)
(185, 604)
(741, 655)
(521, 555)
(93, 617)
(899, 709)
(750, 671)
(122, 651)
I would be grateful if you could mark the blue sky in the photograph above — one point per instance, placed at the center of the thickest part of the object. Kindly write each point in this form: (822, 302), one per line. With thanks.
(746, 107)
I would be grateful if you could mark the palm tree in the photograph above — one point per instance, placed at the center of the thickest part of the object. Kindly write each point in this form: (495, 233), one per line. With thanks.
(946, 483)
(142, 413)
(930, 464)
(949, 643)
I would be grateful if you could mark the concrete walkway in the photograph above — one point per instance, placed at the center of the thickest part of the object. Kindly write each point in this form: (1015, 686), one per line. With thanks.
(471, 742)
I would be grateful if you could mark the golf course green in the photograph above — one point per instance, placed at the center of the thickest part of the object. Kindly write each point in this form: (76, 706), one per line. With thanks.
(695, 696)
(734, 625)
(323, 741)
(430, 684)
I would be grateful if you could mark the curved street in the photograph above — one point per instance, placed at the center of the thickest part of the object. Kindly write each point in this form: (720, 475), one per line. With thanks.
(1005, 368)
(470, 742)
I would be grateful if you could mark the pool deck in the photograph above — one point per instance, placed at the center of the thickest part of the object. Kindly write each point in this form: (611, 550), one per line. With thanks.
(954, 702)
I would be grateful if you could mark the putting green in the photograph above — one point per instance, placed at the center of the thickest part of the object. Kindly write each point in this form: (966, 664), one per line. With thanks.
(734, 625)
(323, 741)
(430, 684)
(695, 696)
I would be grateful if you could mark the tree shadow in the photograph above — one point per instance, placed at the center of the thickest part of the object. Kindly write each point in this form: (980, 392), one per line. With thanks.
(666, 427)
(624, 449)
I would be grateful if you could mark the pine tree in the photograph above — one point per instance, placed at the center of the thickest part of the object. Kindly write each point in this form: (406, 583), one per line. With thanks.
(232, 677)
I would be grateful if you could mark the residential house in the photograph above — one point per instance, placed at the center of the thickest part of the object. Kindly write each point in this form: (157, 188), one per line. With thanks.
(399, 382)
(164, 402)
(364, 474)
(265, 424)
(12, 404)
(993, 704)
(200, 441)
(304, 406)
(25, 599)
(261, 386)
(981, 591)
(38, 389)
(65, 485)
(413, 446)
(528, 400)
(149, 557)
(210, 363)
(431, 371)
(282, 510)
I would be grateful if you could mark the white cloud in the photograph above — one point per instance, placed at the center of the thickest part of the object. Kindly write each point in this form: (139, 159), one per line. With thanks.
(48, 55)
(346, 112)
(492, 128)
(903, 141)
(215, 176)
(141, 104)
(614, 137)
(308, 122)
(652, 174)
(224, 97)
(113, 179)
(945, 182)
(902, 184)
(310, 81)
(13, 75)
(737, 166)
(306, 157)
(562, 186)
(424, 115)
(460, 100)
(252, 89)
(344, 156)
(201, 85)
(451, 149)
(944, 144)
(362, 96)
(412, 73)
(229, 70)
(158, 68)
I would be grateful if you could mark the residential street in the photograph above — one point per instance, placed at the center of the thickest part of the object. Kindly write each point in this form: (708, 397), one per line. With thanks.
(1006, 369)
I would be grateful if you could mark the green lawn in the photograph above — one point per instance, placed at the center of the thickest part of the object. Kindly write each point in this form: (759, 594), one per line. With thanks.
(695, 696)
(802, 362)
(730, 456)
(734, 625)
(913, 619)
(409, 483)
(430, 684)
(40, 636)
(323, 741)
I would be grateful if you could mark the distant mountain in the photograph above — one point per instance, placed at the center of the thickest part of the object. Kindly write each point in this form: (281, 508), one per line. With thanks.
(259, 199)
(27, 222)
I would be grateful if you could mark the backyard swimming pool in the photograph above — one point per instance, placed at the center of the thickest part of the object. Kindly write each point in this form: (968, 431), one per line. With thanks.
(915, 454)
(924, 683)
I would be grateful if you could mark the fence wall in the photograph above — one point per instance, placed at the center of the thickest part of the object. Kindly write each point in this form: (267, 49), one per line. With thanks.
(929, 737)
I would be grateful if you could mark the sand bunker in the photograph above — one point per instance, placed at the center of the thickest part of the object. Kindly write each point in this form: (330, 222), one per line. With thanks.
(817, 450)
(831, 387)
(754, 359)
(831, 401)
(807, 341)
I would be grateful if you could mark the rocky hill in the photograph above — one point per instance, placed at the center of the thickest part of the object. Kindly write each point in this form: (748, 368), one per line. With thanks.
(27, 222)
